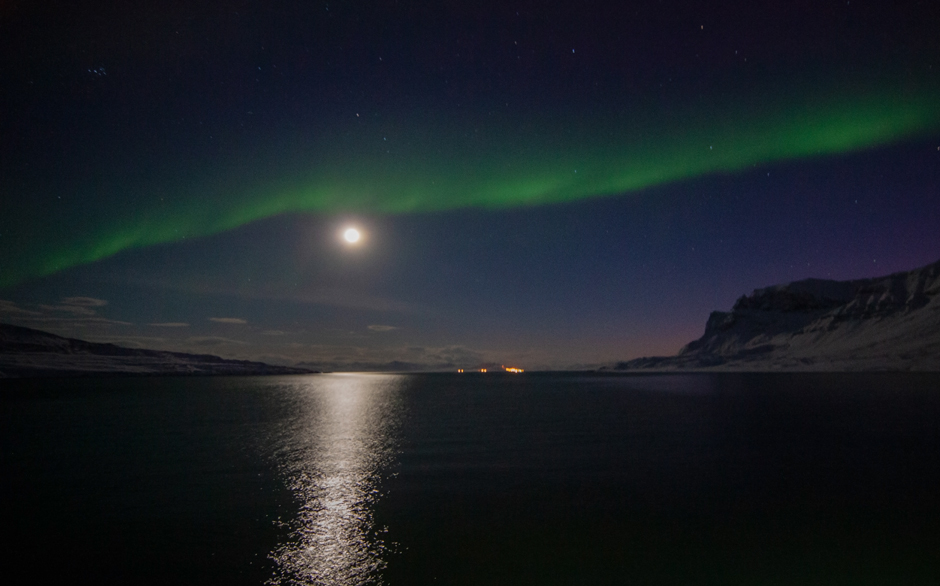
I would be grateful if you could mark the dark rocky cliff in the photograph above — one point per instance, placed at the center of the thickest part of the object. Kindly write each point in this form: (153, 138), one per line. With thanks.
(885, 323)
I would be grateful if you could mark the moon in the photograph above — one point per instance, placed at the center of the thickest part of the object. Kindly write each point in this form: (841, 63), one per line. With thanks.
(351, 235)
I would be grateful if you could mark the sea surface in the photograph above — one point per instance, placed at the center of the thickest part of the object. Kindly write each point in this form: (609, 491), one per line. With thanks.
(476, 479)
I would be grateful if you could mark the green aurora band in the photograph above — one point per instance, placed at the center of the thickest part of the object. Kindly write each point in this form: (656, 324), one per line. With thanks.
(514, 165)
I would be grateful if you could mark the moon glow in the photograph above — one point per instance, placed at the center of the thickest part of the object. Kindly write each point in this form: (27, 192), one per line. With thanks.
(351, 235)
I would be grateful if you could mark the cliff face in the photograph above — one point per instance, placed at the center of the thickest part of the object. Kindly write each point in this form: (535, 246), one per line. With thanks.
(28, 352)
(886, 323)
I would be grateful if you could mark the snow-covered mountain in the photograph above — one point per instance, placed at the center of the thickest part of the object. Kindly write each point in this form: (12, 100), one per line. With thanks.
(885, 323)
(28, 352)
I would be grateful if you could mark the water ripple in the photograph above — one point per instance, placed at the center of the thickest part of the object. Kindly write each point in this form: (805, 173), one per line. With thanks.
(334, 454)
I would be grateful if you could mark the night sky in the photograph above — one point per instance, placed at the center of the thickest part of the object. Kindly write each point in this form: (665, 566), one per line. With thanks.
(542, 184)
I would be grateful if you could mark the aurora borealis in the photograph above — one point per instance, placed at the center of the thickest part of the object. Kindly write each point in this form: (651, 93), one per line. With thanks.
(509, 171)
(200, 121)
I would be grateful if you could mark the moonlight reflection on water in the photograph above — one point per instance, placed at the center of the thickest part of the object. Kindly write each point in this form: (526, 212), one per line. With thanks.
(342, 438)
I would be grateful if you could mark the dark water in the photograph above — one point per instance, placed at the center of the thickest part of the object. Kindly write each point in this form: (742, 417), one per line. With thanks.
(473, 479)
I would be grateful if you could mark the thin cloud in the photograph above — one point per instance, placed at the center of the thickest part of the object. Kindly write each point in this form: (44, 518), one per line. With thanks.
(379, 328)
(84, 301)
(228, 320)
(11, 308)
(212, 341)
(330, 297)
(170, 324)
(80, 307)
(148, 342)
(73, 309)
(76, 321)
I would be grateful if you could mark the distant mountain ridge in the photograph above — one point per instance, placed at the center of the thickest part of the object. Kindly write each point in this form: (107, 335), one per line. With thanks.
(28, 352)
(884, 323)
